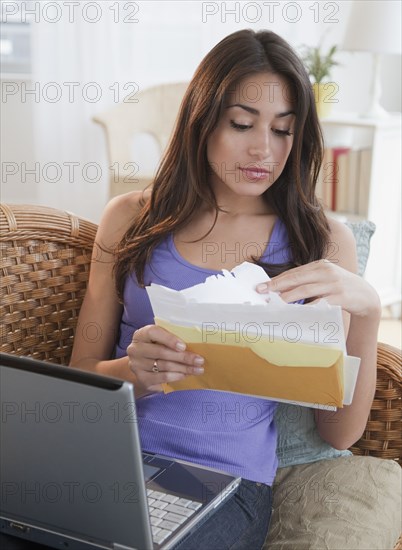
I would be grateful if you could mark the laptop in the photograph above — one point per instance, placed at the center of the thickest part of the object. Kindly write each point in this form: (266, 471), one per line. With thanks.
(73, 474)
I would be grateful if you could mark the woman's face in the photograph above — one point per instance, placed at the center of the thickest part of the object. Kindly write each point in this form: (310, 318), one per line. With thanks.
(249, 148)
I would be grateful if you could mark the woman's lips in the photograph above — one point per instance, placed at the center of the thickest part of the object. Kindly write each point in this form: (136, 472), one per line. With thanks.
(256, 173)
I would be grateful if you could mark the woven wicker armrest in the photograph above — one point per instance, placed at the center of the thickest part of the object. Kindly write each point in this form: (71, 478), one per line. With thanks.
(383, 437)
(45, 258)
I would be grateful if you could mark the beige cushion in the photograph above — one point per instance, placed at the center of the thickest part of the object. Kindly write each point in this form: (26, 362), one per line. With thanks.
(346, 503)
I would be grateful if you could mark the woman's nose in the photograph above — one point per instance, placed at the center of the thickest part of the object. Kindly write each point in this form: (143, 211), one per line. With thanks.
(260, 147)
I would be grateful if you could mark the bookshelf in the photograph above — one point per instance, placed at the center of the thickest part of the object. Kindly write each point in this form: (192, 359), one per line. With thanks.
(361, 179)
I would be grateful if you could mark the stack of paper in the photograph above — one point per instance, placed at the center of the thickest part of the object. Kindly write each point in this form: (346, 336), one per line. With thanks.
(284, 352)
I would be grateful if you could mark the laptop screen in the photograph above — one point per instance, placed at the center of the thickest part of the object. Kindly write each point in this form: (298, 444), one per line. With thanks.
(72, 467)
(71, 458)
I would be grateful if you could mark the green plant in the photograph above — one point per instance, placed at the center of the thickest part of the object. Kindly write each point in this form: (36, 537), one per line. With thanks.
(318, 65)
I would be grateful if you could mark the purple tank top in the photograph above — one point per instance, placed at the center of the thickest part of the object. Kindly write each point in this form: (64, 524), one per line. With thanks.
(222, 430)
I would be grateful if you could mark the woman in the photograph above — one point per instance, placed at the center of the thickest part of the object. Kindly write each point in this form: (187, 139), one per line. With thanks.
(240, 173)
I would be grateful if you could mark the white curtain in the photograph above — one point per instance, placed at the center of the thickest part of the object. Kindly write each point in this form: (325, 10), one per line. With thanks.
(79, 68)
(88, 52)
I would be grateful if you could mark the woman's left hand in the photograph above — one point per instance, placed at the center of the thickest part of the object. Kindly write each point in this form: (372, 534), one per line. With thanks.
(324, 279)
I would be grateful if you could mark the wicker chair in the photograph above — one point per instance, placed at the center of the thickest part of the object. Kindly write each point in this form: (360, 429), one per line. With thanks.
(45, 263)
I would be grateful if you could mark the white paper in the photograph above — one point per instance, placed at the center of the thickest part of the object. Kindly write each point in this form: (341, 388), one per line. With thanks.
(214, 305)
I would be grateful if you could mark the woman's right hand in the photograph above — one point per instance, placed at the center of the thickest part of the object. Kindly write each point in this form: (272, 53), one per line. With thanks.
(157, 356)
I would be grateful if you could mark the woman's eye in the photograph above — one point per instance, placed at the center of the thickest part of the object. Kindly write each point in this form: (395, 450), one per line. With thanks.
(282, 132)
(240, 127)
(243, 127)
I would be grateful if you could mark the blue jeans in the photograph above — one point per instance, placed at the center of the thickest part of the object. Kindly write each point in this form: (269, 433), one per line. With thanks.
(242, 523)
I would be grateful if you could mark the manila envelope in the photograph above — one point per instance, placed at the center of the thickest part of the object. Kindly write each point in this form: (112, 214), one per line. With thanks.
(279, 370)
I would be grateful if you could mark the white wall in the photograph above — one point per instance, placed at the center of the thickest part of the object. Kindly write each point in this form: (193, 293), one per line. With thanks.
(166, 44)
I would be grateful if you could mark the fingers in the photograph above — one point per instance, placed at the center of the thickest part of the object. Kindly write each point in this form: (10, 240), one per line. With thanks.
(322, 279)
(166, 356)
(153, 333)
(302, 277)
(304, 292)
(145, 354)
(156, 356)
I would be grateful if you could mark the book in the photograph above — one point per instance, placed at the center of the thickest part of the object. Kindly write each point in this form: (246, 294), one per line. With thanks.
(344, 180)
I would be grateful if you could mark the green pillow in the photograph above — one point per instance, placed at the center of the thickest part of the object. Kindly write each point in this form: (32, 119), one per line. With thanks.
(363, 232)
(298, 438)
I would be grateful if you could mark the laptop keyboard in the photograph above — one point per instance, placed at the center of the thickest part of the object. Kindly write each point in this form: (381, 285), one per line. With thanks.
(167, 512)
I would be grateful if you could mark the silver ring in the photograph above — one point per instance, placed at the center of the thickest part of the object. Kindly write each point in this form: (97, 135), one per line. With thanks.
(155, 367)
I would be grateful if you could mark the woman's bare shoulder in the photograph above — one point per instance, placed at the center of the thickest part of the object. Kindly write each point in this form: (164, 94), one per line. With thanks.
(119, 214)
(342, 245)
(340, 231)
(125, 207)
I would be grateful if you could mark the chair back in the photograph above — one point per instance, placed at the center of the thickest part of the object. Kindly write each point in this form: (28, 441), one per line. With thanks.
(152, 111)
(45, 262)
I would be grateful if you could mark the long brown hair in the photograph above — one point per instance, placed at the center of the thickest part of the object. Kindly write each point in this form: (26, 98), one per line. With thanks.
(181, 183)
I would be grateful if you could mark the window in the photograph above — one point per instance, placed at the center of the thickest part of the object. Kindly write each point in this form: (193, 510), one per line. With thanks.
(15, 43)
